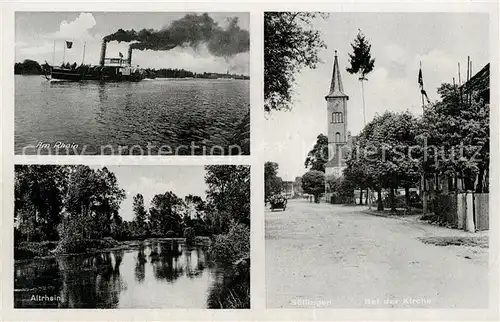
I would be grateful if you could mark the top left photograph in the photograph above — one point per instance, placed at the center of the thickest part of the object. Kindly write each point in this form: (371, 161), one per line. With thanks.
(132, 83)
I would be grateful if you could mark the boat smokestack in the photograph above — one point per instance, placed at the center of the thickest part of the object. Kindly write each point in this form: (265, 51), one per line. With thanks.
(129, 58)
(103, 52)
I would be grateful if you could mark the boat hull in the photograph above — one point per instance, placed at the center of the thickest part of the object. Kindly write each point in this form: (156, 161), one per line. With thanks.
(96, 73)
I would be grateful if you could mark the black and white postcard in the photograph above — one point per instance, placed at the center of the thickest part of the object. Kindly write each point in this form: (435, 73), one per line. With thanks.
(381, 199)
(132, 237)
(113, 83)
(250, 161)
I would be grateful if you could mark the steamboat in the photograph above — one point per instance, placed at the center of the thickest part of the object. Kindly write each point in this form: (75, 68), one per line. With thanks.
(109, 69)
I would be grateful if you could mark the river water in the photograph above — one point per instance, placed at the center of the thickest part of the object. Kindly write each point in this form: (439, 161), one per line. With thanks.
(157, 274)
(157, 117)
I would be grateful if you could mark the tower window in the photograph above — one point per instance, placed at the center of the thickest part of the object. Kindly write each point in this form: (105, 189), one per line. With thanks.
(337, 137)
(337, 117)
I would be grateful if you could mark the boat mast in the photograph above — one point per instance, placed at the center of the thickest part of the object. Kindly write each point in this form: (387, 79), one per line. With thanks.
(83, 58)
(54, 54)
(64, 52)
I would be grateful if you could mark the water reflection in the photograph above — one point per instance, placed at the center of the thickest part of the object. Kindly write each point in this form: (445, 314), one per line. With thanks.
(140, 265)
(153, 274)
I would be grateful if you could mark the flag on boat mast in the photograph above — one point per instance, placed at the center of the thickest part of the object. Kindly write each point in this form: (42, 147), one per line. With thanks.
(69, 44)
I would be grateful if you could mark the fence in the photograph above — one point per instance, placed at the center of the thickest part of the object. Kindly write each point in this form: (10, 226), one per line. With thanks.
(457, 209)
(482, 211)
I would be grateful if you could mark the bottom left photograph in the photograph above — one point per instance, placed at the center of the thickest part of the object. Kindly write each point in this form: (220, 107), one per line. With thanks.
(88, 236)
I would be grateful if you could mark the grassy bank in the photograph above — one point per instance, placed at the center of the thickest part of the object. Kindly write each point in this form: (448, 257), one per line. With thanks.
(479, 241)
(28, 250)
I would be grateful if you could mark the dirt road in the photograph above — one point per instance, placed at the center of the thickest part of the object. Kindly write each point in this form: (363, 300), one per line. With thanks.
(323, 255)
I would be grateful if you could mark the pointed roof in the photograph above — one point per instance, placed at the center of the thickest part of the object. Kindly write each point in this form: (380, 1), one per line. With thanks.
(336, 87)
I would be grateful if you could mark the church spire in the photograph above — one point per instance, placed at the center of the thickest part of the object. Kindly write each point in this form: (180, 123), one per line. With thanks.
(336, 88)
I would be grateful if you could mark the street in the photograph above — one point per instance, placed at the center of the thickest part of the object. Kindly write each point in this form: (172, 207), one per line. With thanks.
(323, 255)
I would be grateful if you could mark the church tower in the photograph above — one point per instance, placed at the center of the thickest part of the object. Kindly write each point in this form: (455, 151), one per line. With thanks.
(336, 104)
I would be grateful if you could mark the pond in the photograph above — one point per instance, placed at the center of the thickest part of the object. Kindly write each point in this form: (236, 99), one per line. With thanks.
(151, 274)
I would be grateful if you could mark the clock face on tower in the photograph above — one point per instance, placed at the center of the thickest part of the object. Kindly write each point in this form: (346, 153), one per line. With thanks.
(337, 104)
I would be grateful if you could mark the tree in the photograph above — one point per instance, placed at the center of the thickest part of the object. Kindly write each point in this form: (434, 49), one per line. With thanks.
(28, 67)
(272, 183)
(459, 126)
(289, 46)
(140, 216)
(93, 200)
(165, 213)
(39, 195)
(356, 173)
(361, 63)
(342, 188)
(386, 156)
(229, 190)
(313, 182)
(297, 186)
(189, 234)
(318, 156)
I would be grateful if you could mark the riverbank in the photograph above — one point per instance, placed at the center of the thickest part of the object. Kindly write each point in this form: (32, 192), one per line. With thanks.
(45, 249)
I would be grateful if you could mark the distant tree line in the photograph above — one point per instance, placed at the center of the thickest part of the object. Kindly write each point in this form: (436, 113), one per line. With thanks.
(172, 73)
(28, 67)
(71, 204)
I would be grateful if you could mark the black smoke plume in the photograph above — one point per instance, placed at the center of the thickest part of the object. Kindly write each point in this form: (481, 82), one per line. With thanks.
(189, 31)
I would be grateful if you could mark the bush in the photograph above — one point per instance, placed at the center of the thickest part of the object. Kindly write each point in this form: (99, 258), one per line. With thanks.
(25, 250)
(231, 246)
(189, 235)
(71, 237)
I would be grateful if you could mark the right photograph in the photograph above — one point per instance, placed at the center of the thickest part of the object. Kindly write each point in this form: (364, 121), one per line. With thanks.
(377, 160)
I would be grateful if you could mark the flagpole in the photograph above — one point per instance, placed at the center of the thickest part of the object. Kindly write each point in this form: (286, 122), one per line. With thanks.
(421, 88)
(423, 185)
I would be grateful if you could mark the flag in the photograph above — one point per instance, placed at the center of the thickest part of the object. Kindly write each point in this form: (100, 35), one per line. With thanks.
(121, 56)
(420, 79)
(422, 91)
(69, 44)
(421, 83)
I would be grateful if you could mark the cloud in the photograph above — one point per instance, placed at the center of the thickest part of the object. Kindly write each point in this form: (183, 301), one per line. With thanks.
(149, 187)
(76, 29)
(396, 54)
(36, 50)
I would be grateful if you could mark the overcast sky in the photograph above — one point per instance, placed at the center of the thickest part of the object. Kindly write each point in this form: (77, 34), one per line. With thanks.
(37, 31)
(152, 180)
(399, 42)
